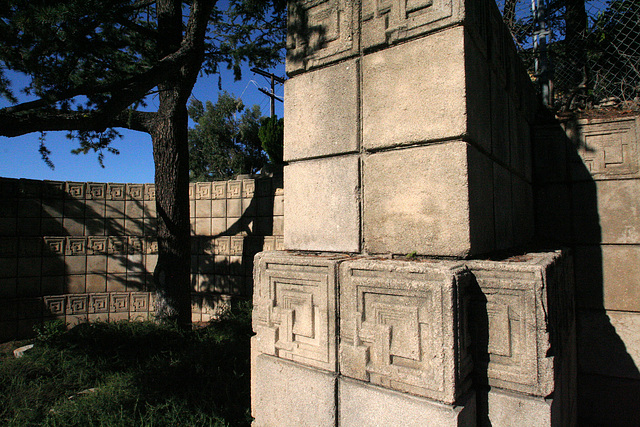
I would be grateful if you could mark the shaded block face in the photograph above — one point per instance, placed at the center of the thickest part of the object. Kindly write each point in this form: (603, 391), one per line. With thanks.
(417, 199)
(320, 32)
(294, 308)
(415, 92)
(520, 301)
(322, 112)
(386, 22)
(399, 322)
(322, 211)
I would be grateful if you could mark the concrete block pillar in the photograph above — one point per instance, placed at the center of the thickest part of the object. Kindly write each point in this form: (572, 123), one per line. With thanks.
(406, 133)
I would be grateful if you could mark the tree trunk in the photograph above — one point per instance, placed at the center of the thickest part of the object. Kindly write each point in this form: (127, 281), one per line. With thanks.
(171, 157)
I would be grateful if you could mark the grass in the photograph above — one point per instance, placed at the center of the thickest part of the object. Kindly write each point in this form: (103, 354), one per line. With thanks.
(130, 374)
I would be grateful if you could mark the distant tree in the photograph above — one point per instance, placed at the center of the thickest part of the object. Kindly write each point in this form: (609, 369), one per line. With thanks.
(93, 63)
(224, 141)
(272, 137)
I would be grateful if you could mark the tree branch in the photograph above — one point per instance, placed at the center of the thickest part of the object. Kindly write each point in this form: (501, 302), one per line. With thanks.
(54, 120)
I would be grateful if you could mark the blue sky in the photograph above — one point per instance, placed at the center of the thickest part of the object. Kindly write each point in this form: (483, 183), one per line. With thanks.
(19, 157)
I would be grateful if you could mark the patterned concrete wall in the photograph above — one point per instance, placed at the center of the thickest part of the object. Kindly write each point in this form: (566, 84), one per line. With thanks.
(86, 251)
(588, 198)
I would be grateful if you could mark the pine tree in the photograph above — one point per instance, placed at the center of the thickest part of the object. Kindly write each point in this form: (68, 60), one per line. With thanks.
(92, 63)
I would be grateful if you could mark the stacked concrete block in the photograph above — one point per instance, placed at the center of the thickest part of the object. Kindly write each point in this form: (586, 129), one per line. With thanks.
(333, 331)
(522, 325)
(401, 326)
(588, 175)
(433, 86)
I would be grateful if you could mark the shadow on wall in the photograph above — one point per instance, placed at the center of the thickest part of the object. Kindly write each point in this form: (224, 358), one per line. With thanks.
(65, 246)
(243, 224)
(570, 179)
(86, 251)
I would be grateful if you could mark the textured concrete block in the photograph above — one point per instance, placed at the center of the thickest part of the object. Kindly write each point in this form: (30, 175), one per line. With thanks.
(294, 314)
(287, 394)
(364, 404)
(607, 277)
(322, 112)
(507, 409)
(322, 210)
(416, 199)
(400, 326)
(607, 149)
(392, 22)
(415, 92)
(320, 33)
(521, 316)
(607, 211)
(604, 337)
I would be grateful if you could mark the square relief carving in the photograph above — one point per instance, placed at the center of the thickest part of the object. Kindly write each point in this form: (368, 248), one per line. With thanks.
(608, 150)
(319, 32)
(401, 326)
(390, 21)
(294, 308)
(509, 324)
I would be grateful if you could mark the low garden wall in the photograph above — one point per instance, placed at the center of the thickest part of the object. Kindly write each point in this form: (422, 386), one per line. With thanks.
(86, 251)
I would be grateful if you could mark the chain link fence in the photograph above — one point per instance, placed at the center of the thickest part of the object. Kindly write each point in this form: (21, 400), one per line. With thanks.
(584, 54)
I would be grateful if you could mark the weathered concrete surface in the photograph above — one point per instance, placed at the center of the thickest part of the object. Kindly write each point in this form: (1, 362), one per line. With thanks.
(401, 326)
(288, 394)
(417, 199)
(607, 149)
(607, 277)
(507, 409)
(321, 33)
(363, 404)
(415, 92)
(294, 308)
(321, 108)
(522, 323)
(322, 211)
(394, 22)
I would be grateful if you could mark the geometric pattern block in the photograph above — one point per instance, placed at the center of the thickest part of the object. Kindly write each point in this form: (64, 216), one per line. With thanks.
(294, 314)
(99, 303)
(609, 150)
(511, 321)
(390, 21)
(320, 32)
(401, 326)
